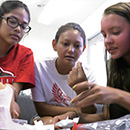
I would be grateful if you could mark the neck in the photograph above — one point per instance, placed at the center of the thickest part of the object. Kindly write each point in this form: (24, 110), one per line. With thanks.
(61, 68)
(4, 50)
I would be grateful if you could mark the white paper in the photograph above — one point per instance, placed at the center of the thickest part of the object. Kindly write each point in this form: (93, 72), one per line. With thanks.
(67, 123)
(6, 122)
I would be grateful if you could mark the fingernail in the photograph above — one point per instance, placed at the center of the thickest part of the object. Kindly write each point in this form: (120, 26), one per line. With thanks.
(74, 87)
(16, 113)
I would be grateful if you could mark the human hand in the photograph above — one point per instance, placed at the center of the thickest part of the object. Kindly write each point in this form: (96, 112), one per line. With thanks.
(70, 115)
(2, 86)
(90, 93)
(15, 109)
(47, 120)
(77, 75)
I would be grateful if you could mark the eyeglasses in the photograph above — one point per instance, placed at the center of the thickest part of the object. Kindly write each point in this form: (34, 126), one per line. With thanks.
(13, 22)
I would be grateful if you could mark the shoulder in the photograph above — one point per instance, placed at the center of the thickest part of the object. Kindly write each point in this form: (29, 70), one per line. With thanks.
(20, 52)
(23, 48)
(46, 62)
(90, 73)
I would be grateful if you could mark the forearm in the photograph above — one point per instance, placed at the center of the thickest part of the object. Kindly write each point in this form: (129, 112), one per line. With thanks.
(123, 99)
(90, 109)
(17, 87)
(57, 110)
(44, 109)
(89, 118)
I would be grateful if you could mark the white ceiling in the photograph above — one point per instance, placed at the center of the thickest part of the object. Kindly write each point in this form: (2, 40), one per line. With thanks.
(79, 10)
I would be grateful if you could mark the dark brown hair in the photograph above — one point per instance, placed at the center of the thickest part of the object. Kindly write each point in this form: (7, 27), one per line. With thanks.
(117, 72)
(9, 5)
(68, 26)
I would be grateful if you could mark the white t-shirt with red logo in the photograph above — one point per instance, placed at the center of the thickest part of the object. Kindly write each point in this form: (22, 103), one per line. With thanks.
(52, 87)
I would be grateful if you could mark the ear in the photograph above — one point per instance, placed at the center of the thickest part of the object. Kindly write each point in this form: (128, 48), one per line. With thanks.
(54, 44)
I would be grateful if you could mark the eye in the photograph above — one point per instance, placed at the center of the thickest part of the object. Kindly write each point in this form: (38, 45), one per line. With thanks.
(12, 21)
(77, 46)
(65, 44)
(23, 26)
(116, 33)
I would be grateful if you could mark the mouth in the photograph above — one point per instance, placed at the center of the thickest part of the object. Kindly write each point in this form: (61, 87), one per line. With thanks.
(69, 57)
(112, 50)
(14, 36)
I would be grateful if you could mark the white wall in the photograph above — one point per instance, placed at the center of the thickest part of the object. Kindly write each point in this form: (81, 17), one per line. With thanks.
(92, 24)
(40, 41)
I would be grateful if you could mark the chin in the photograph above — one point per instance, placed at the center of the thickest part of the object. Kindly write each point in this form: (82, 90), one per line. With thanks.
(115, 57)
(13, 42)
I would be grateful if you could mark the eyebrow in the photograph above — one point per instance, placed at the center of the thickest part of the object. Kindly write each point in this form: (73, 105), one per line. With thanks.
(110, 28)
(18, 19)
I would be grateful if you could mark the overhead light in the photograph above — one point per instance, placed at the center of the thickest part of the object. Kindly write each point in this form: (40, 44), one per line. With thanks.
(40, 5)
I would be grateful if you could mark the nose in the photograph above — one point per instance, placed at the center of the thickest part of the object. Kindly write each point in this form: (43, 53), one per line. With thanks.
(71, 48)
(18, 28)
(108, 40)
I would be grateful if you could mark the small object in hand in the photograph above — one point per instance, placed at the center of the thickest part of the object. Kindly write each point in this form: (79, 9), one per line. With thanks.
(67, 123)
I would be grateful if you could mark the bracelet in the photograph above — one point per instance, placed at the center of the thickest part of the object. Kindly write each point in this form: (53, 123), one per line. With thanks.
(74, 112)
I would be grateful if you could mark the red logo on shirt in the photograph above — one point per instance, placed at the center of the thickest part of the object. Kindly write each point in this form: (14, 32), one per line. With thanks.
(59, 95)
(6, 76)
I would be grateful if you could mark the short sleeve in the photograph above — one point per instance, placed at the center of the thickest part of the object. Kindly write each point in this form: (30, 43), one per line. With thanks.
(37, 91)
(25, 73)
(90, 74)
